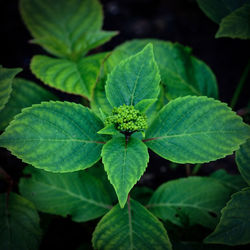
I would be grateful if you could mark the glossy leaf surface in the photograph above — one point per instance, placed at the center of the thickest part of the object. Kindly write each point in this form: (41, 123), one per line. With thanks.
(68, 76)
(19, 223)
(124, 163)
(189, 201)
(234, 227)
(55, 136)
(196, 130)
(134, 79)
(130, 228)
(80, 194)
(181, 73)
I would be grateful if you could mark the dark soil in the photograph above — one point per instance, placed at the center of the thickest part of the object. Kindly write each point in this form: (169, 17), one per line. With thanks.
(177, 21)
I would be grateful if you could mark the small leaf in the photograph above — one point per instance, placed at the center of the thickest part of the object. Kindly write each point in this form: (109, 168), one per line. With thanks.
(130, 228)
(124, 162)
(196, 130)
(72, 77)
(55, 136)
(6, 78)
(234, 182)
(19, 223)
(181, 73)
(243, 161)
(236, 24)
(24, 94)
(64, 28)
(234, 227)
(108, 130)
(79, 194)
(198, 200)
(134, 79)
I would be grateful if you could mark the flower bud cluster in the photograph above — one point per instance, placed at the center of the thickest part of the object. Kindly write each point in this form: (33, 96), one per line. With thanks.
(127, 119)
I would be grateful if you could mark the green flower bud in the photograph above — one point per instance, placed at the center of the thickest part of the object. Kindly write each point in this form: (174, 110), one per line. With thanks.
(127, 119)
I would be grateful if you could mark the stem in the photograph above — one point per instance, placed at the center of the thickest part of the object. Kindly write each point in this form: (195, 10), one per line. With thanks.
(240, 85)
(196, 169)
(188, 170)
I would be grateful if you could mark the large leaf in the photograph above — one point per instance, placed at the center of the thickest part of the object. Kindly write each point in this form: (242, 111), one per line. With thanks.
(19, 223)
(24, 94)
(236, 24)
(130, 228)
(243, 161)
(218, 9)
(234, 227)
(189, 201)
(6, 78)
(181, 73)
(124, 162)
(134, 79)
(79, 194)
(195, 130)
(72, 77)
(55, 136)
(65, 28)
(234, 182)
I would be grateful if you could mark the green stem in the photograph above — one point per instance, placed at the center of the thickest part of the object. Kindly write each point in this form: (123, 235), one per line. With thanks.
(196, 169)
(240, 85)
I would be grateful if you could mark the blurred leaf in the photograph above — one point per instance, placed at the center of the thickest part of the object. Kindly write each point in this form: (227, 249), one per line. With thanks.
(234, 227)
(24, 94)
(80, 194)
(19, 223)
(243, 161)
(190, 201)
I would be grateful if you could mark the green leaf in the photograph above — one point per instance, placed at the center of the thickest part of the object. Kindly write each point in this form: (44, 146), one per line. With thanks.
(55, 136)
(108, 130)
(218, 9)
(181, 73)
(236, 24)
(234, 182)
(243, 161)
(196, 130)
(134, 79)
(124, 162)
(131, 228)
(6, 78)
(99, 100)
(234, 227)
(144, 104)
(19, 223)
(66, 28)
(72, 77)
(190, 201)
(24, 94)
(79, 194)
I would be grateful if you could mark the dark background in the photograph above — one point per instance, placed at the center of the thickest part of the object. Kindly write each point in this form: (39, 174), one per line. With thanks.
(174, 20)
